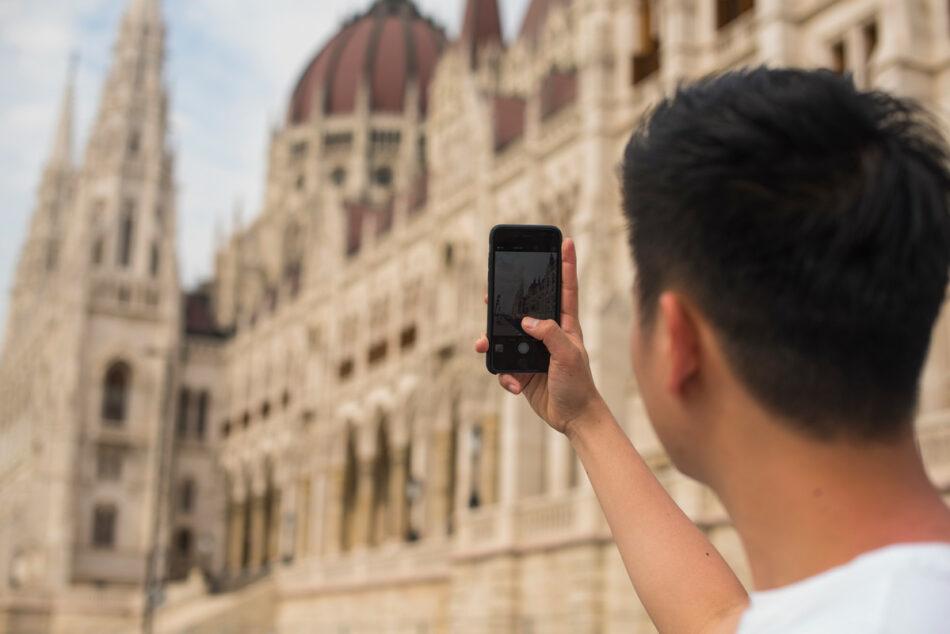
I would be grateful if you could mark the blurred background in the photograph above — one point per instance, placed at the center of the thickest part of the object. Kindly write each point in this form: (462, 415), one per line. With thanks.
(243, 258)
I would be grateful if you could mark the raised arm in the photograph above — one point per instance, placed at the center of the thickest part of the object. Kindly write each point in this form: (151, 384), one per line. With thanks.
(684, 583)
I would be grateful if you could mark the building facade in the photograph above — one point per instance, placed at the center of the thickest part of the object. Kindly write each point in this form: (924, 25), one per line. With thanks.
(310, 429)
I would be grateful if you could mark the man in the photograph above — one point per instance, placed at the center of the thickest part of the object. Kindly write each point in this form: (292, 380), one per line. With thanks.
(791, 239)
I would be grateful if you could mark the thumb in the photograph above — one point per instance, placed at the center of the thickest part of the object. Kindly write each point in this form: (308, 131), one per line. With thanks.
(548, 331)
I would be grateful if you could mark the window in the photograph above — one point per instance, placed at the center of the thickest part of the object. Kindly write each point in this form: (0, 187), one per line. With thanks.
(377, 352)
(225, 429)
(133, 144)
(103, 526)
(301, 181)
(200, 424)
(407, 338)
(383, 176)
(186, 499)
(338, 176)
(336, 140)
(126, 230)
(729, 10)
(155, 260)
(115, 396)
(265, 409)
(298, 150)
(109, 463)
(184, 398)
(448, 255)
(183, 543)
(346, 369)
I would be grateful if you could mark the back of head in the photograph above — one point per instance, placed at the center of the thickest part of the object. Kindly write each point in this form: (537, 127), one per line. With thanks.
(809, 223)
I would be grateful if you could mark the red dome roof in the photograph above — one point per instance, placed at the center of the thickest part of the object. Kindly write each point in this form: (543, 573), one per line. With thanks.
(388, 45)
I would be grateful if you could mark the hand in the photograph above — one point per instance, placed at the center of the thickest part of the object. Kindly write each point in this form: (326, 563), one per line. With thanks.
(567, 392)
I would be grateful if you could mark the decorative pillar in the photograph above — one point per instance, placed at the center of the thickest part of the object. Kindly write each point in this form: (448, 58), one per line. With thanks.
(272, 556)
(302, 540)
(437, 498)
(257, 533)
(333, 510)
(363, 515)
(488, 461)
(508, 454)
(235, 535)
(397, 494)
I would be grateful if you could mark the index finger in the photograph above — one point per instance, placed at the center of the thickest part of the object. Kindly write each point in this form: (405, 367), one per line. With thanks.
(570, 320)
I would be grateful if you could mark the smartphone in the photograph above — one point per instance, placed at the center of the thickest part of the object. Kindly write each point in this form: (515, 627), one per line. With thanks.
(524, 280)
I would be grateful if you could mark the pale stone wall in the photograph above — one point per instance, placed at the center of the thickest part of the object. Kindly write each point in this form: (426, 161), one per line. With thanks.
(361, 471)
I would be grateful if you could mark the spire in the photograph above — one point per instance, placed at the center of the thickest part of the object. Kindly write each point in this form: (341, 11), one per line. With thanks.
(149, 11)
(61, 154)
(481, 25)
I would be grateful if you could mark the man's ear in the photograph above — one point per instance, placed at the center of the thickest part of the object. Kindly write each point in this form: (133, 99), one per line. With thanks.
(681, 341)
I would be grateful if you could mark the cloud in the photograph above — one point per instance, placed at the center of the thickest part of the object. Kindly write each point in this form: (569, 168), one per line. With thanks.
(231, 67)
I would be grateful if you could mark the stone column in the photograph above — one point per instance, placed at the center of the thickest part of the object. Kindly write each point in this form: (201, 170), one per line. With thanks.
(273, 530)
(508, 454)
(258, 529)
(363, 515)
(333, 510)
(302, 539)
(437, 498)
(464, 468)
(397, 494)
(235, 535)
(488, 461)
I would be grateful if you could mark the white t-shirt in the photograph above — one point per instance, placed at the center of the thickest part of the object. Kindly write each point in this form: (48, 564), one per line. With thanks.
(899, 589)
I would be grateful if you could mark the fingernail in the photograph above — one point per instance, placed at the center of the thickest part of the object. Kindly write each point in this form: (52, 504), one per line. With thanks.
(530, 323)
(511, 387)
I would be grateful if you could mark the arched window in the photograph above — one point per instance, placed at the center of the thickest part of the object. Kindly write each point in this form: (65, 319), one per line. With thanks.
(202, 421)
(350, 475)
(156, 262)
(183, 544)
(381, 466)
(126, 229)
(454, 425)
(115, 394)
(293, 249)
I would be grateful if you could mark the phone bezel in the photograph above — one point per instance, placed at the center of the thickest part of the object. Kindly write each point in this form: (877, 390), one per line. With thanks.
(506, 235)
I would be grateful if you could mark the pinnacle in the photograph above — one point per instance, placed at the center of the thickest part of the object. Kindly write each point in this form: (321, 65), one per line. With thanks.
(144, 11)
(62, 151)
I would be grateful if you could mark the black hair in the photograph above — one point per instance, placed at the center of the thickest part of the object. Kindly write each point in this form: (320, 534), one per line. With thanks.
(808, 222)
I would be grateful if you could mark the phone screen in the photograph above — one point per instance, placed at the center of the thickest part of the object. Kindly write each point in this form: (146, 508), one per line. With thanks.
(525, 286)
(525, 282)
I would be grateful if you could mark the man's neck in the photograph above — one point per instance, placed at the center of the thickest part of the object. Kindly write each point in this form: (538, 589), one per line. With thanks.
(802, 507)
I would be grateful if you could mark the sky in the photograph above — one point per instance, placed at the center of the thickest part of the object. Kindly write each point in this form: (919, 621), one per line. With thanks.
(231, 67)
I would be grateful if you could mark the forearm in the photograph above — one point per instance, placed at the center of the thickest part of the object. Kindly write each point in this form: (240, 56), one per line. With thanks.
(682, 580)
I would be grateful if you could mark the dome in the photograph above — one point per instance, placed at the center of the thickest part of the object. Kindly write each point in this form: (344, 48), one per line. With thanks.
(389, 45)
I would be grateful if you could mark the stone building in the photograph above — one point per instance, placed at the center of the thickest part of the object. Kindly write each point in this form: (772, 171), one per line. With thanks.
(310, 428)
